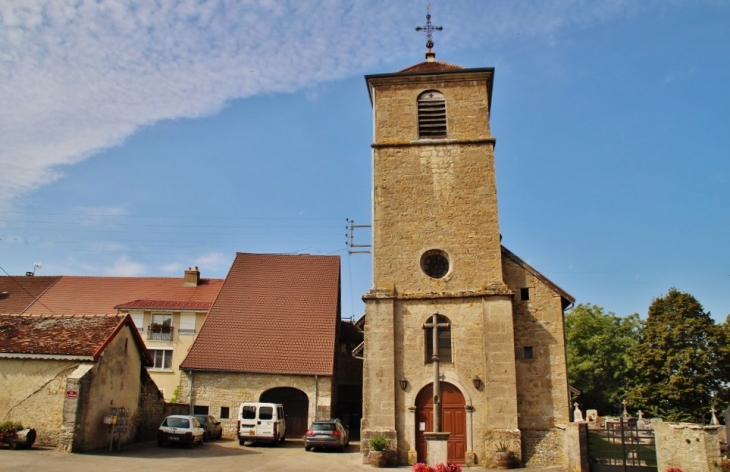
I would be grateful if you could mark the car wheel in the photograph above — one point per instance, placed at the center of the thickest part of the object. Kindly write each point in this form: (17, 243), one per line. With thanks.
(276, 442)
(307, 448)
(241, 441)
(206, 437)
(220, 434)
(282, 439)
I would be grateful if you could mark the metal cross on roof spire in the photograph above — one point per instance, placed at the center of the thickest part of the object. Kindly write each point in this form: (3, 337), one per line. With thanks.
(429, 28)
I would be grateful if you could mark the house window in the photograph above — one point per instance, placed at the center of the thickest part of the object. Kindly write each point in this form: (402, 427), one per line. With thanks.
(225, 412)
(200, 409)
(529, 353)
(444, 339)
(431, 115)
(161, 327)
(162, 359)
(524, 293)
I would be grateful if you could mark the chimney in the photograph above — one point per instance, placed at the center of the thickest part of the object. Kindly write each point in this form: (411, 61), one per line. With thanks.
(192, 277)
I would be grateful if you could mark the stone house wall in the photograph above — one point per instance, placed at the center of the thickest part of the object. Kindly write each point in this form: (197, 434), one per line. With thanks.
(542, 382)
(230, 389)
(113, 381)
(33, 392)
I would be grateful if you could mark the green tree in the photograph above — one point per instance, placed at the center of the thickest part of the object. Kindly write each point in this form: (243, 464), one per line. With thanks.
(681, 360)
(600, 354)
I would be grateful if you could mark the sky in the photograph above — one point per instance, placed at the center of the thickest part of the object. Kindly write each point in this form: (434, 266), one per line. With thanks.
(140, 138)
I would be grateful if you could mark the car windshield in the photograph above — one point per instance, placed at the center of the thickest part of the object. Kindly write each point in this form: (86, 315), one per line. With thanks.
(177, 422)
(323, 427)
(248, 413)
(202, 419)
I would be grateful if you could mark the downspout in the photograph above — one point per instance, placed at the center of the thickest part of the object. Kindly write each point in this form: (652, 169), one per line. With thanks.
(316, 396)
(191, 393)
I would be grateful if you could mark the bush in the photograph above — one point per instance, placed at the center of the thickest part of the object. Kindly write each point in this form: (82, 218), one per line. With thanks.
(9, 428)
(378, 443)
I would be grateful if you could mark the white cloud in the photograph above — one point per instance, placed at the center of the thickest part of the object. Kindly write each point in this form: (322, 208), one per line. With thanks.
(124, 267)
(79, 77)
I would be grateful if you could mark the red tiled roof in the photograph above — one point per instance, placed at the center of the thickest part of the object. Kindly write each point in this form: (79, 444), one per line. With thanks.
(164, 305)
(82, 295)
(52, 336)
(431, 66)
(19, 292)
(275, 314)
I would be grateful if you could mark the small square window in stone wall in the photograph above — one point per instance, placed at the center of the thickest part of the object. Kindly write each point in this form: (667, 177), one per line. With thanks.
(529, 352)
(225, 412)
(525, 293)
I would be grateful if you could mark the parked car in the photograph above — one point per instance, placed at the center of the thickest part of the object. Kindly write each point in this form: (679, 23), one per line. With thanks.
(329, 434)
(180, 429)
(212, 427)
(261, 422)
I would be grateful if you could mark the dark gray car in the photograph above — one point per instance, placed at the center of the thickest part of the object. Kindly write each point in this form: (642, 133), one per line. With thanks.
(212, 427)
(327, 434)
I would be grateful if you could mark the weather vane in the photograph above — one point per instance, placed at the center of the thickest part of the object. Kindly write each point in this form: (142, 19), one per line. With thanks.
(429, 28)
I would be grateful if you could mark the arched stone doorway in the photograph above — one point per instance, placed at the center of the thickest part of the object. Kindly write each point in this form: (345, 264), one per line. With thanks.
(453, 420)
(296, 408)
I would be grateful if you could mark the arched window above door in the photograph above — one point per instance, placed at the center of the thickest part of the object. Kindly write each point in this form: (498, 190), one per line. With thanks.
(431, 115)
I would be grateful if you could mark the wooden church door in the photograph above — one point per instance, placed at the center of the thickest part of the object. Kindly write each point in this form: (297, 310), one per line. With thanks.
(453, 420)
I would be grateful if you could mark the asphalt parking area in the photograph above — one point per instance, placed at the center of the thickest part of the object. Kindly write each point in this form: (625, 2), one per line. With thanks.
(219, 455)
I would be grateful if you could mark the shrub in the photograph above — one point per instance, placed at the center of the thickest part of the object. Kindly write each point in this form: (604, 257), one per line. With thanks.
(378, 443)
(9, 428)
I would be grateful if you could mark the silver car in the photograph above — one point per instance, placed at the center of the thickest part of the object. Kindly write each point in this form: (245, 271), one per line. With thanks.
(327, 434)
(180, 429)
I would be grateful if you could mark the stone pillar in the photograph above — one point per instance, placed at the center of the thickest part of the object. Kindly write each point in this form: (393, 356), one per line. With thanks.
(470, 455)
(436, 448)
(576, 447)
(411, 435)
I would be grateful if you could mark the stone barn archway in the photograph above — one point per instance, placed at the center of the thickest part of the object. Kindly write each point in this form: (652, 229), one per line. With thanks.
(296, 408)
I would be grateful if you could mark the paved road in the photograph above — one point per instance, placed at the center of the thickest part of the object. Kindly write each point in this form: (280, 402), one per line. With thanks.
(216, 456)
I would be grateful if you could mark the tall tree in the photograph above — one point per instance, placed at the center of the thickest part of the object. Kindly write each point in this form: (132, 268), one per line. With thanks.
(600, 354)
(681, 362)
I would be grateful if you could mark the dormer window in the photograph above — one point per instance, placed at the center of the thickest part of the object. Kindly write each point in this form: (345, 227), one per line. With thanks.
(431, 115)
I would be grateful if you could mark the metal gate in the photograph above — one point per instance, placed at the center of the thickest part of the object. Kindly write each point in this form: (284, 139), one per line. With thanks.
(622, 446)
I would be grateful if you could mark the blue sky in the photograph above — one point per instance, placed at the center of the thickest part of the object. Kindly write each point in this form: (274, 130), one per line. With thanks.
(143, 137)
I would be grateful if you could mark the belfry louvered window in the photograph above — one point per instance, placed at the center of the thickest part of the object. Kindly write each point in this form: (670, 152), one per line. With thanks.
(431, 115)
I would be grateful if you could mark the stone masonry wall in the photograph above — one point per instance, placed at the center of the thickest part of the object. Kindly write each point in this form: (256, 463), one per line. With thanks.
(690, 447)
(434, 194)
(32, 393)
(230, 389)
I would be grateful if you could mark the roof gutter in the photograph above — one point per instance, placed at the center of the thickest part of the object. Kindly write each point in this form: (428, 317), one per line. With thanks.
(58, 357)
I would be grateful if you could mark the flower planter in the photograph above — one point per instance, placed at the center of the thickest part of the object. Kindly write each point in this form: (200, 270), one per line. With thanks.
(378, 458)
(505, 460)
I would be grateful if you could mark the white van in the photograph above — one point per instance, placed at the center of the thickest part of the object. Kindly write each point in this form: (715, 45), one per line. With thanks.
(261, 422)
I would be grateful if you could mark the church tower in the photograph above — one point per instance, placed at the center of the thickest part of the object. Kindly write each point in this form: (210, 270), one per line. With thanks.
(444, 337)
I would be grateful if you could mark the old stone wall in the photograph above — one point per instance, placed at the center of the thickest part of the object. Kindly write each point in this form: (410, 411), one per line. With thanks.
(114, 381)
(230, 389)
(152, 409)
(690, 447)
(32, 393)
(542, 380)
